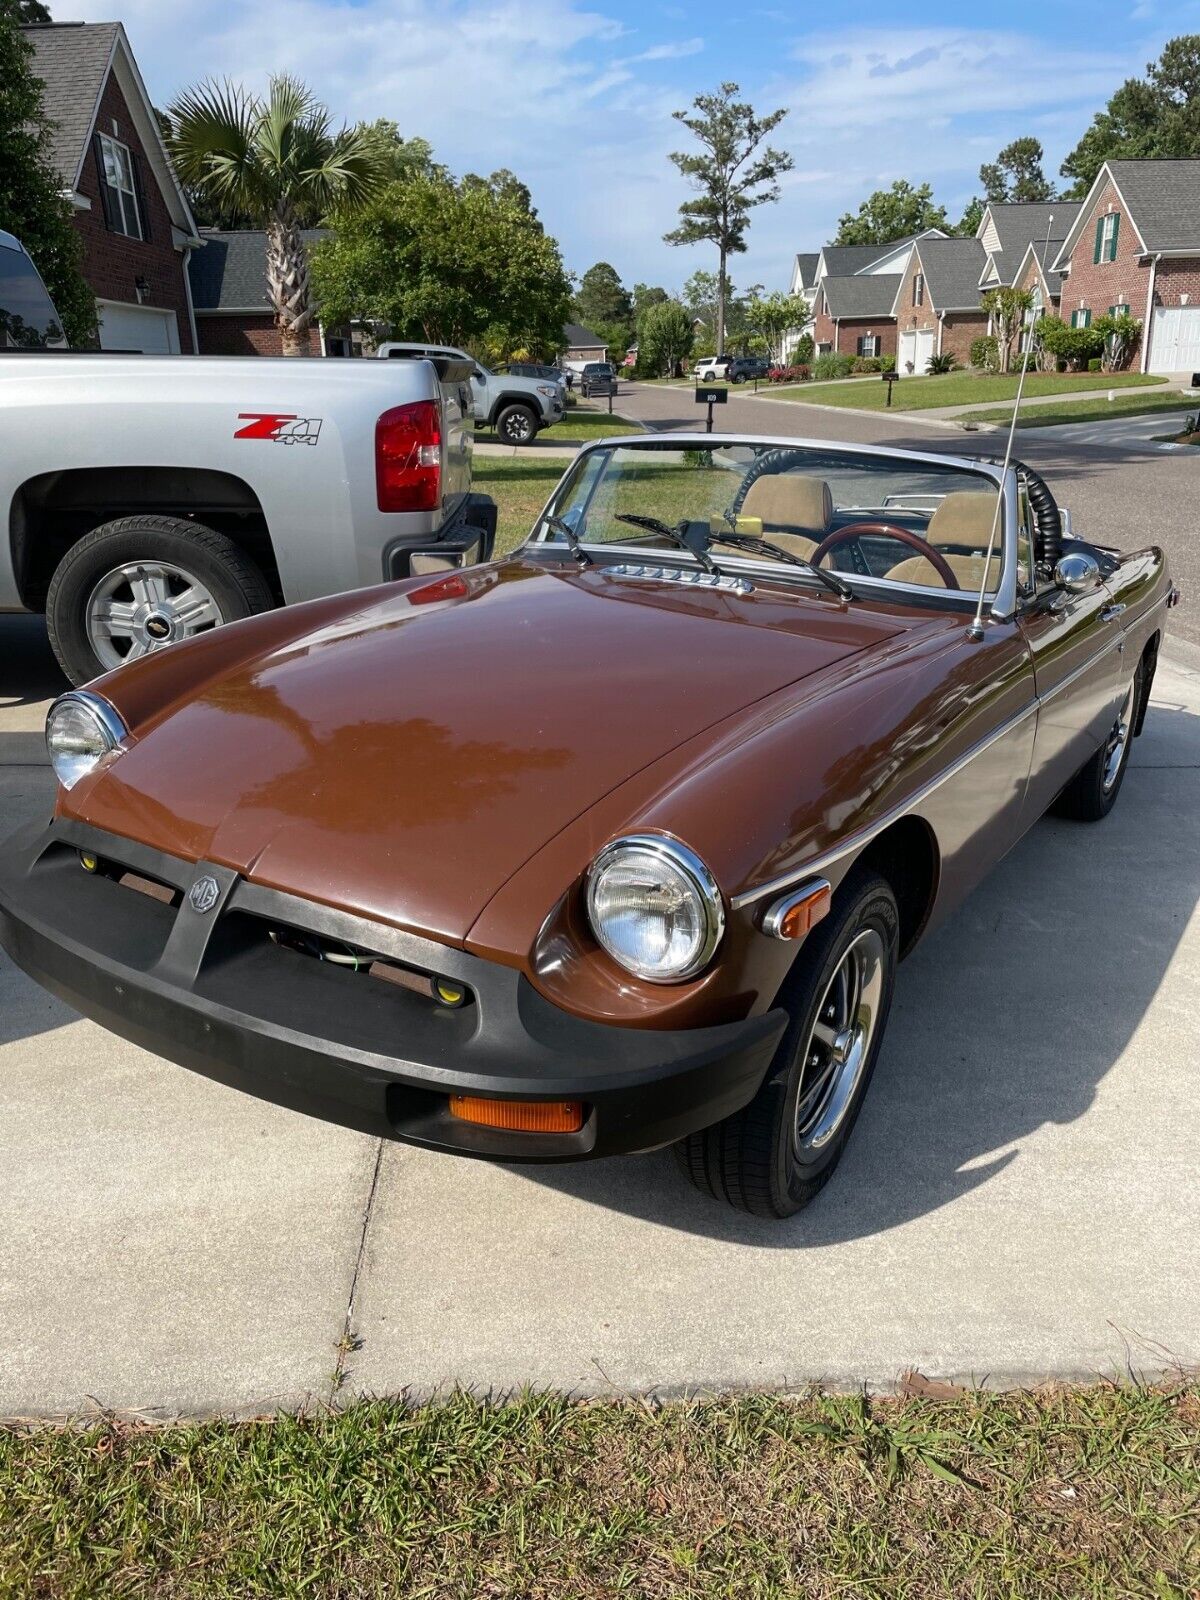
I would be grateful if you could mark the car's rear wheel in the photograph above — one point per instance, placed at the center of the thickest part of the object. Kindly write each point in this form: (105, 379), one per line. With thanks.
(516, 425)
(141, 583)
(1092, 792)
(777, 1153)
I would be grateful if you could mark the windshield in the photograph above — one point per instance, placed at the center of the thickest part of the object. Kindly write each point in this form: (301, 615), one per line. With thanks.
(27, 318)
(875, 517)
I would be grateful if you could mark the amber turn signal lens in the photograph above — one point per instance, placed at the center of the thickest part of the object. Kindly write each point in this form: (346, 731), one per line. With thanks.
(519, 1116)
(88, 862)
(799, 912)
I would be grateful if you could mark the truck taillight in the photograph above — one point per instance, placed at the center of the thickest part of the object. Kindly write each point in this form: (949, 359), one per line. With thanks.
(408, 457)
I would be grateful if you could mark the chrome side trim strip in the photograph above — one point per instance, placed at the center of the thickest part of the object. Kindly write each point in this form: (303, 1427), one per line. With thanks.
(859, 840)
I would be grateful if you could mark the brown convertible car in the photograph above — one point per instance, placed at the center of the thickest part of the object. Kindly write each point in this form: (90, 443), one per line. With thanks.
(612, 843)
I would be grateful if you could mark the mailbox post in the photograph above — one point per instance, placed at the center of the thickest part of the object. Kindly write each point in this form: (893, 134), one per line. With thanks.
(890, 378)
(711, 398)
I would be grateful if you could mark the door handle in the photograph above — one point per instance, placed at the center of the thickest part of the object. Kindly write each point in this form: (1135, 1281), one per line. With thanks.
(1111, 613)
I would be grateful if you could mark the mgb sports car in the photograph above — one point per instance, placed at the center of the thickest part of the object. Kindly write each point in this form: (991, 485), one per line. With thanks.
(612, 843)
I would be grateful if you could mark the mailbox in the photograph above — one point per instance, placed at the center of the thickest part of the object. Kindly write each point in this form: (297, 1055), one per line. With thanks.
(890, 377)
(711, 397)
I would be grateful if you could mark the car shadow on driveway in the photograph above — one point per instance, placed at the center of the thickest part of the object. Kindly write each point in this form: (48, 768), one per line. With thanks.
(1006, 1018)
(29, 673)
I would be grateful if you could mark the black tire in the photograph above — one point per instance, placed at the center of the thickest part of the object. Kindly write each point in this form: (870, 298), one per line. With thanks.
(516, 424)
(1092, 792)
(755, 1160)
(235, 585)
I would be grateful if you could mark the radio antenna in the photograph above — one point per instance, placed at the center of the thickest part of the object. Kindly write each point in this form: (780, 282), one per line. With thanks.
(975, 631)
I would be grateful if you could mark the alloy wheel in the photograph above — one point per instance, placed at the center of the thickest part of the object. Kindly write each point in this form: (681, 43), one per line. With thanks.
(1118, 741)
(839, 1045)
(143, 606)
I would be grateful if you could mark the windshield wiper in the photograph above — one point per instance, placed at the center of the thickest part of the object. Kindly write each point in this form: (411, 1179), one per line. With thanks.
(764, 547)
(573, 541)
(653, 525)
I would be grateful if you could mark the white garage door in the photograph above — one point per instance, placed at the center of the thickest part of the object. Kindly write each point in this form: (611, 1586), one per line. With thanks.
(141, 328)
(1175, 339)
(916, 347)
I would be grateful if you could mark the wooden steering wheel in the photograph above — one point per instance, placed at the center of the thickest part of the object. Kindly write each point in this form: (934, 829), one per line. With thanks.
(856, 530)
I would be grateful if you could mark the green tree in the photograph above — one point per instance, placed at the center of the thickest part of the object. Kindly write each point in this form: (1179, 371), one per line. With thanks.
(603, 298)
(31, 205)
(27, 11)
(969, 222)
(1076, 346)
(646, 295)
(701, 296)
(776, 315)
(398, 157)
(894, 213)
(1016, 174)
(505, 186)
(732, 174)
(278, 161)
(452, 263)
(1006, 308)
(1155, 116)
(664, 338)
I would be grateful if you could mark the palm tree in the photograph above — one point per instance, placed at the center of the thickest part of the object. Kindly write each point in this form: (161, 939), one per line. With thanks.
(276, 160)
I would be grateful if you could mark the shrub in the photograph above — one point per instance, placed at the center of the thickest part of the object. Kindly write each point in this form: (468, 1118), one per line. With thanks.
(1094, 364)
(936, 365)
(799, 373)
(1120, 335)
(1075, 346)
(985, 353)
(832, 366)
(868, 364)
(804, 351)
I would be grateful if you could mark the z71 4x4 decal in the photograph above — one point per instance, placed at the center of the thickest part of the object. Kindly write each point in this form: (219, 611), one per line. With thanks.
(283, 427)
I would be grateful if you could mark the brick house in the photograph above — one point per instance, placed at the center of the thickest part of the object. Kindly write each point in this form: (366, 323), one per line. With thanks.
(855, 316)
(133, 217)
(1006, 231)
(1136, 243)
(581, 344)
(233, 308)
(938, 309)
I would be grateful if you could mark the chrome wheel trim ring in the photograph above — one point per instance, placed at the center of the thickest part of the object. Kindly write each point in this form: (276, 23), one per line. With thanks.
(839, 1045)
(1118, 741)
(142, 606)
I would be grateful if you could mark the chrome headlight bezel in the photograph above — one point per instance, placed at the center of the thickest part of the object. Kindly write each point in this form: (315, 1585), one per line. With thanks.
(99, 717)
(681, 863)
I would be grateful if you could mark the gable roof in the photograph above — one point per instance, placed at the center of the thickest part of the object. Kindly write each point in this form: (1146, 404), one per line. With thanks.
(575, 336)
(843, 260)
(74, 60)
(861, 295)
(1163, 199)
(952, 269)
(806, 267)
(1019, 224)
(230, 273)
(1044, 255)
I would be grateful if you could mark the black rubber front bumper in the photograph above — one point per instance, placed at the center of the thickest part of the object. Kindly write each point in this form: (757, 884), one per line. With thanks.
(223, 991)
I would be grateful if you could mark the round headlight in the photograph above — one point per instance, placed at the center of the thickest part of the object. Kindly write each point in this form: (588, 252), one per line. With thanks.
(81, 729)
(655, 907)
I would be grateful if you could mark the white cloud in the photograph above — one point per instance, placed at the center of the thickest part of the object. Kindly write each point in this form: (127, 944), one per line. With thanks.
(670, 52)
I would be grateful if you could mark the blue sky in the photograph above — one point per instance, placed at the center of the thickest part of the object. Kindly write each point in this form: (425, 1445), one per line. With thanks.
(576, 95)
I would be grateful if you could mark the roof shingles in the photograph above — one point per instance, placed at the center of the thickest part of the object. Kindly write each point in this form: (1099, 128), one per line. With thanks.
(230, 272)
(71, 59)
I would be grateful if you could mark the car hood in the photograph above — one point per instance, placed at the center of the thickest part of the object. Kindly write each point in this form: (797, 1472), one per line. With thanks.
(409, 752)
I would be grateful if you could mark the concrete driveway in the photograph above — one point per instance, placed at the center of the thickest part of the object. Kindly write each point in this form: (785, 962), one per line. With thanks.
(1018, 1201)
(1123, 433)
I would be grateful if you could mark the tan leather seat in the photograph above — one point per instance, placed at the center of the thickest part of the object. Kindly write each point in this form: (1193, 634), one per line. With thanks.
(965, 516)
(967, 570)
(796, 510)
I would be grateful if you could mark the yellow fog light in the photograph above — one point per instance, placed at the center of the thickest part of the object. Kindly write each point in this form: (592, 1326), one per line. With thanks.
(89, 863)
(449, 994)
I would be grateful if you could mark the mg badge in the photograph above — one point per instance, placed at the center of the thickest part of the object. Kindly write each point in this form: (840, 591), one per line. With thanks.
(203, 894)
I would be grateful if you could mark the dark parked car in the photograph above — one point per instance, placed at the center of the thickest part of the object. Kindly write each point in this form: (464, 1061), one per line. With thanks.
(679, 784)
(598, 377)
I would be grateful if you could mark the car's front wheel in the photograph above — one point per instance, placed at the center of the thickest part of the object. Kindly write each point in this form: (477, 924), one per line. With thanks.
(141, 583)
(777, 1153)
(516, 425)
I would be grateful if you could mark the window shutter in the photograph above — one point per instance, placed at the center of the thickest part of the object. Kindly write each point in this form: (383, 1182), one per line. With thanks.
(1099, 240)
(1087, 319)
(106, 199)
(1112, 243)
(135, 164)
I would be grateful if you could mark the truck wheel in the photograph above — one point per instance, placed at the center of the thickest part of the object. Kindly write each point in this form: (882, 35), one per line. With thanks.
(141, 583)
(1092, 792)
(517, 425)
(776, 1154)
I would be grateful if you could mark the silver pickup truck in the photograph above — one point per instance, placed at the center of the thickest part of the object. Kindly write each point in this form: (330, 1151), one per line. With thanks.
(148, 498)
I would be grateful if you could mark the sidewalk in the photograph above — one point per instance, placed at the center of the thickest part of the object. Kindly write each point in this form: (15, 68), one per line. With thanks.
(945, 415)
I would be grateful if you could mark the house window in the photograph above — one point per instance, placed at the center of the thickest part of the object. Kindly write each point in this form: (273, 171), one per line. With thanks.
(825, 349)
(1107, 229)
(1121, 309)
(868, 344)
(1081, 318)
(119, 187)
(919, 289)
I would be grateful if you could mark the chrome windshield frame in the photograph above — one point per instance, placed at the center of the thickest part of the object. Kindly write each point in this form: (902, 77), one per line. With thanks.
(1002, 606)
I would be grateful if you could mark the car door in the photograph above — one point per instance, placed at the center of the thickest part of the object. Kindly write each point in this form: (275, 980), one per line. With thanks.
(1077, 646)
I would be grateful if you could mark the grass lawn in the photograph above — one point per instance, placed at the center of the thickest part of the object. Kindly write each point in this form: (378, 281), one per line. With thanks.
(1125, 405)
(520, 489)
(958, 389)
(1069, 1492)
(582, 423)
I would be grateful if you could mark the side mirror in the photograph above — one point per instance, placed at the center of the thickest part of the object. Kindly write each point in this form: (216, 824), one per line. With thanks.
(1077, 573)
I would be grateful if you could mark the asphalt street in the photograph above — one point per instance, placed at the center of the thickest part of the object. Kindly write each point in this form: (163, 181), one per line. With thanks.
(1125, 494)
(1017, 1203)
